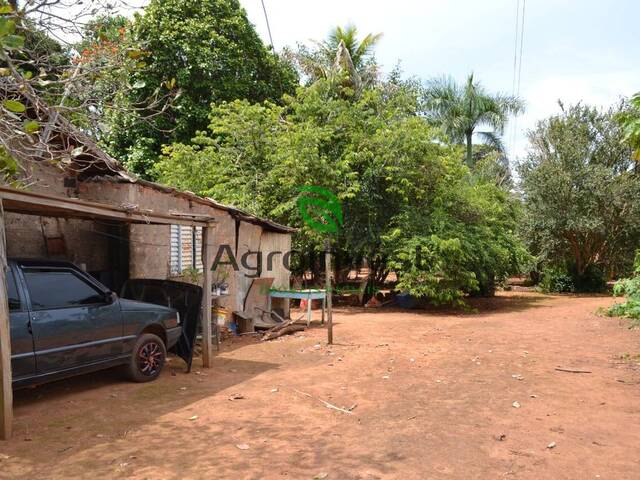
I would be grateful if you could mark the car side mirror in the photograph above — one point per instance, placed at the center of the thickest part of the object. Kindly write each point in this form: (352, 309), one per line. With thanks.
(110, 297)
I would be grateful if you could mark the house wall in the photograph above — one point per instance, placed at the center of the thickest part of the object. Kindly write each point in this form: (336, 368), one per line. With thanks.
(91, 245)
(150, 249)
(84, 242)
(275, 245)
(148, 245)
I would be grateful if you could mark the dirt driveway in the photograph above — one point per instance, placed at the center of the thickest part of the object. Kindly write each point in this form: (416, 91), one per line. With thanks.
(433, 396)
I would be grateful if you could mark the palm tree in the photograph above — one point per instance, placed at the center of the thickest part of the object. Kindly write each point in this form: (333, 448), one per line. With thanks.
(342, 53)
(461, 109)
(360, 51)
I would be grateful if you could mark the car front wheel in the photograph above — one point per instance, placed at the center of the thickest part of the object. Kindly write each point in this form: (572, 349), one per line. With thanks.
(147, 359)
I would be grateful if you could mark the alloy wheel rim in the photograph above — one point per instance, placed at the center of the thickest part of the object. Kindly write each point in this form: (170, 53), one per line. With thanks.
(150, 358)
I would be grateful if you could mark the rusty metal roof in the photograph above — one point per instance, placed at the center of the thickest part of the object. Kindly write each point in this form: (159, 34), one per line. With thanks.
(233, 211)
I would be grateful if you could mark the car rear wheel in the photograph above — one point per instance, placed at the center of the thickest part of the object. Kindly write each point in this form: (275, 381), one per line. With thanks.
(147, 359)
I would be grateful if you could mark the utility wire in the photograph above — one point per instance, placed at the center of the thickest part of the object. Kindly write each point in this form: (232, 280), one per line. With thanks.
(266, 17)
(517, 75)
(524, 4)
(515, 49)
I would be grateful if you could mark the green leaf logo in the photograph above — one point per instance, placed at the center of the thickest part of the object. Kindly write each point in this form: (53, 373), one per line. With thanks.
(320, 209)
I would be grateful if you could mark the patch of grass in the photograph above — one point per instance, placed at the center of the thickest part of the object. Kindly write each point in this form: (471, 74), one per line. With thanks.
(630, 357)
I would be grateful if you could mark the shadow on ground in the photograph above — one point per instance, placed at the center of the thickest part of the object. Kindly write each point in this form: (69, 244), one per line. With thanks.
(476, 306)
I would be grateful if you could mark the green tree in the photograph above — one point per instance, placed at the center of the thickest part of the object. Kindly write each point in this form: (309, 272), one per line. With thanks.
(630, 120)
(462, 109)
(207, 50)
(581, 195)
(341, 55)
(47, 83)
(399, 187)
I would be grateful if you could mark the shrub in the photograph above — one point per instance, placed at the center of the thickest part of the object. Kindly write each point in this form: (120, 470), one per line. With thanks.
(556, 280)
(592, 280)
(630, 289)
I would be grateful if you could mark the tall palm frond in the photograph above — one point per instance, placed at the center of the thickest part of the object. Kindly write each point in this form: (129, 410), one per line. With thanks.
(342, 53)
(461, 109)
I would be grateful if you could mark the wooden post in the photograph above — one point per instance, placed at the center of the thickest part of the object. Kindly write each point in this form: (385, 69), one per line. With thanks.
(207, 347)
(6, 395)
(327, 268)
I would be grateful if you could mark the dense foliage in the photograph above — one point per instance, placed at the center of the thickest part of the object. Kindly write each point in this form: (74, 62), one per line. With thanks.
(630, 120)
(404, 194)
(209, 52)
(342, 53)
(581, 195)
(630, 289)
(187, 93)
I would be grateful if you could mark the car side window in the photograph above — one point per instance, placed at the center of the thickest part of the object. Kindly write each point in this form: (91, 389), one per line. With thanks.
(12, 292)
(59, 289)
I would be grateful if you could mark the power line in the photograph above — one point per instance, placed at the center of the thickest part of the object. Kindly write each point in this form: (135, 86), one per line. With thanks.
(515, 49)
(524, 4)
(517, 73)
(266, 18)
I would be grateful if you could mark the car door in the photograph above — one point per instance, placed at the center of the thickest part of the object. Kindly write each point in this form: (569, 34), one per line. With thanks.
(73, 321)
(23, 362)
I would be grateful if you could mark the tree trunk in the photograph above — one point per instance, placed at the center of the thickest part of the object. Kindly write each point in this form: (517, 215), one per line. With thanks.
(468, 136)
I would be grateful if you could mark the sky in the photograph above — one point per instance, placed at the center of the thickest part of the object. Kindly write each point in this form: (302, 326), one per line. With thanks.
(573, 50)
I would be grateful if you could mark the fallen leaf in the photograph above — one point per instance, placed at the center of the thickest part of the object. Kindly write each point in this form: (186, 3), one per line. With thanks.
(551, 445)
(195, 417)
(243, 446)
(516, 404)
(321, 476)
(236, 396)
(274, 390)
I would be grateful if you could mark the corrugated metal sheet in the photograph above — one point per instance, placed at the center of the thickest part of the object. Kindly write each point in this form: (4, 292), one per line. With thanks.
(274, 247)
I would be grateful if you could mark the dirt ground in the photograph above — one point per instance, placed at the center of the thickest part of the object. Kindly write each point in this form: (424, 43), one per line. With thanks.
(432, 396)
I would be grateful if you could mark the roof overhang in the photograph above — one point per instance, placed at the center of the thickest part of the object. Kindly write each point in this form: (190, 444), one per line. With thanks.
(32, 203)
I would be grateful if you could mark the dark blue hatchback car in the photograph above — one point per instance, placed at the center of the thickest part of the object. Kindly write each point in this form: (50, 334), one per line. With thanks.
(64, 322)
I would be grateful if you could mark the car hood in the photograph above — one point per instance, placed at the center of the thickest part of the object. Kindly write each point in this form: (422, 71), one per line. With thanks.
(127, 305)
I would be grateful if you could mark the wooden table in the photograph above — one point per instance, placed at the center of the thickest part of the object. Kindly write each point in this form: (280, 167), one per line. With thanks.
(308, 295)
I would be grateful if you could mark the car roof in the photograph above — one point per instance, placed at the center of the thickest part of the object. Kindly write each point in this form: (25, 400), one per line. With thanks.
(43, 262)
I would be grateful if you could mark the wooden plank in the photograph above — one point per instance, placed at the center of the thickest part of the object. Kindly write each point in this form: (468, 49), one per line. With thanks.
(273, 263)
(257, 296)
(6, 394)
(327, 261)
(33, 203)
(207, 260)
